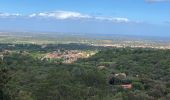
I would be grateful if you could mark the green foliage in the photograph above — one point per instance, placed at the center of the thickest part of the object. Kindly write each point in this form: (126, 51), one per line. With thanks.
(24, 77)
(4, 78)
(138, 86)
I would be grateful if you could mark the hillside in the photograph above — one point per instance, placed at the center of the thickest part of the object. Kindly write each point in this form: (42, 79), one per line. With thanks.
(24, 77)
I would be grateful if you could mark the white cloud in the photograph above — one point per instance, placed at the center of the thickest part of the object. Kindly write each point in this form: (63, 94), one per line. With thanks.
(9, 14)
(154, 1)
(61, 15)
(113, 19)
(32, 15)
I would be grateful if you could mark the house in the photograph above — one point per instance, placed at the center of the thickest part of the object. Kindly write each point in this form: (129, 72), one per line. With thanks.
(101, 67)
(127, 86)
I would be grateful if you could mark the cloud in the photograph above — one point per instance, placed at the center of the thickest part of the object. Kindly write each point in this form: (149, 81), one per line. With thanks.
(4, 15)
(33, 15)
(156, 1)
(62, 15)
(113, 19)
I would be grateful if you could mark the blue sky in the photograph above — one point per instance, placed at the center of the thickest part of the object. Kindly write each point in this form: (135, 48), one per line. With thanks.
(138, 17)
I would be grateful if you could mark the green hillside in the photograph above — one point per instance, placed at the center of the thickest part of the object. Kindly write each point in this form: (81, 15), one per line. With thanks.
(23, 77)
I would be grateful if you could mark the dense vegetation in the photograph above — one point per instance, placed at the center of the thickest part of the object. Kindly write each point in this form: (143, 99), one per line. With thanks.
(23, 77)
(147, 68)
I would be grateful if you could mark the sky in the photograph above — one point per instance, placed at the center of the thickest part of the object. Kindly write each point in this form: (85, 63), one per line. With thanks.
(132, 17)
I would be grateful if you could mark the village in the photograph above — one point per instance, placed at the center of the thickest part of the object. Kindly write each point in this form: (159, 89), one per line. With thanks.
(67, 56)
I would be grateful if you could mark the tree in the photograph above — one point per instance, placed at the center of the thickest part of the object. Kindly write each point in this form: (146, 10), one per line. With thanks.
(4, 78)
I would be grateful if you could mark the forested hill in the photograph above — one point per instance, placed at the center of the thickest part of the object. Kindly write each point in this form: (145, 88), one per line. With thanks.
(148, 69)
(152, 63)
(26, 78)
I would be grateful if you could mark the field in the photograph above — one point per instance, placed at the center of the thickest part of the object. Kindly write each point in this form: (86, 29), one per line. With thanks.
(107, 40)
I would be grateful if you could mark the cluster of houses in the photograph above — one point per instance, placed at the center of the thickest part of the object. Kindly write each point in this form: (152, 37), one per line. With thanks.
(1, 56)
(67, 56)
(3, 53)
